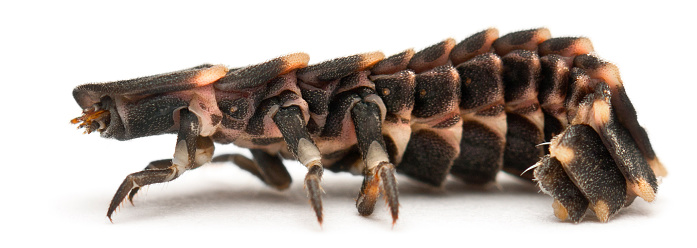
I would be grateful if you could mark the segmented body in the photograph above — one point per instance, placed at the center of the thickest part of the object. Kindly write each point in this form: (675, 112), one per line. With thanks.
(468, 109)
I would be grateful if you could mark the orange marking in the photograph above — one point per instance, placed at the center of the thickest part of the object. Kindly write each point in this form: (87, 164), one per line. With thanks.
(602, 211)
(210, 75)
(658, 167)
(644, 190)
(560, 211)
(608, 73)
(564, 154)
(295, 61)
(373, 188)
(601, 112)
(542, 35)
(370, 59)
(581, 46)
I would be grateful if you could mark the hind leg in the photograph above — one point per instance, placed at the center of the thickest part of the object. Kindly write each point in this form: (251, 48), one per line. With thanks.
(267, 167)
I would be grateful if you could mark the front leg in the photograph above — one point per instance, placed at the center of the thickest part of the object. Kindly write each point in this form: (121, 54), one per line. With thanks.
(154, 165)
(191, 152)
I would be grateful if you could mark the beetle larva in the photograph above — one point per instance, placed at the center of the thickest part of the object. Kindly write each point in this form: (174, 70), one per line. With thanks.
(469, 109)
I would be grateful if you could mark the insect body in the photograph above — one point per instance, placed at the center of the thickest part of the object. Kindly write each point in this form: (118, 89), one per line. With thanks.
(469, 109)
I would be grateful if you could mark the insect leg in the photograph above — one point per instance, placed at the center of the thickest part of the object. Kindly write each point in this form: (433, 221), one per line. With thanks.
(291, 124)
(154, 165)
(191, 152)
(267, 167)
(378, 169)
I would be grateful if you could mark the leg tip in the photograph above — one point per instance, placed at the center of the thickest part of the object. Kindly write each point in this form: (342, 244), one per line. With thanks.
(132, 194)
(320, 219)
(368, 195)
(365, 205)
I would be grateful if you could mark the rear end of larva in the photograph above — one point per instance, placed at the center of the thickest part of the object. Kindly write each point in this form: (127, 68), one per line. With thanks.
(544, 109)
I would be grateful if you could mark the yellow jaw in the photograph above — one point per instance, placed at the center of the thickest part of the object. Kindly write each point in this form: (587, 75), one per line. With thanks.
(90, 117)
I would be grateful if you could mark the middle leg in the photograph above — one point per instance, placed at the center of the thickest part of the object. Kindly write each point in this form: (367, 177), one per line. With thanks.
(378, 170)
(291, 124)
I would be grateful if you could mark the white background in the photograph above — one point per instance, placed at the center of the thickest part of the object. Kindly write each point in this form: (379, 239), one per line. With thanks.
(56, 183)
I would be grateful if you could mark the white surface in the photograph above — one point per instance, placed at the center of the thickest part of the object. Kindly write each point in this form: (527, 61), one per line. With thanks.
(57, 183)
